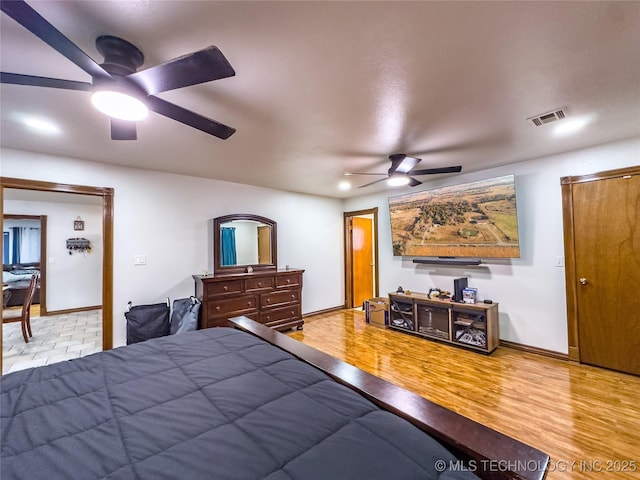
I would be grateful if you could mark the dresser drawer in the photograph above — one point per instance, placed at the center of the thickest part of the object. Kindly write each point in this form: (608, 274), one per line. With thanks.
(228, 287)
(288, 280)
(238, 306)
(279, 298)
(224, 321)
(257, 284)
(277, 314)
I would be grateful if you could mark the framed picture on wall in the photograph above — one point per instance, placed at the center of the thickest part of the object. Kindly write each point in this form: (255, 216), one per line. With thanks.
(78, 224)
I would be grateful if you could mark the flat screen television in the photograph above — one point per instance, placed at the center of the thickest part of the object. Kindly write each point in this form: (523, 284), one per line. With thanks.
(477, 219)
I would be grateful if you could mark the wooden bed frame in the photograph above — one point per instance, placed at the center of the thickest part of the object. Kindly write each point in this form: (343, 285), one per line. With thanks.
(487, 453)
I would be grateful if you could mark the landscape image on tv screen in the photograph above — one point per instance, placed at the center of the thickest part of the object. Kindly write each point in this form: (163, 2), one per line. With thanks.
(477, 219)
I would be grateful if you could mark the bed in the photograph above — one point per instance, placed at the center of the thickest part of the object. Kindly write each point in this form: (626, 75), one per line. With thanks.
(237, 403)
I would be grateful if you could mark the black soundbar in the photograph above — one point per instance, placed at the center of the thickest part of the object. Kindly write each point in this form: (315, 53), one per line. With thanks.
(448, 261)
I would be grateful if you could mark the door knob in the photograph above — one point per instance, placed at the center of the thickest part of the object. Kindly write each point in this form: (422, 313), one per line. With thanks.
(583, 281)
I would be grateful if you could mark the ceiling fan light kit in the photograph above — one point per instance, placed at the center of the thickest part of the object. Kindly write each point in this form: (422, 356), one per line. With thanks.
(398, 180)
(119, 105)
(116, 97)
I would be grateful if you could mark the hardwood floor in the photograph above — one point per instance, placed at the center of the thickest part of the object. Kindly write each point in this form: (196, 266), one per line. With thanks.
(586, 418)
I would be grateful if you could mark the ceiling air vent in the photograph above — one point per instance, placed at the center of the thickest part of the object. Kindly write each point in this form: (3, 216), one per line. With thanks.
(548, 117)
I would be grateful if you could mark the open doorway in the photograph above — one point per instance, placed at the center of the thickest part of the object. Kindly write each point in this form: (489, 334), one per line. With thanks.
(361, 256)
(105, 196)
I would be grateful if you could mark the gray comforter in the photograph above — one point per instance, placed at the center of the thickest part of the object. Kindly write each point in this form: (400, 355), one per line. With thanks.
(211, 404)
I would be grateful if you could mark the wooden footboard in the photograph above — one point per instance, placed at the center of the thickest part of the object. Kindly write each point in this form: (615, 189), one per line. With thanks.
(486, 452)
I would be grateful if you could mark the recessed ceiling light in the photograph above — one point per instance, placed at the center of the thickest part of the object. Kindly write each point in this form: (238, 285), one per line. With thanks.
(344, 185)
(41, 125)
(571, 126)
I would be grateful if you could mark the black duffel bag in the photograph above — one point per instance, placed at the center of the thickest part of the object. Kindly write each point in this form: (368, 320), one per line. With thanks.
(147, 321)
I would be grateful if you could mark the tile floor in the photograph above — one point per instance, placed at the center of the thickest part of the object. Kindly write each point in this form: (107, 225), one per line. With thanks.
(55, 338)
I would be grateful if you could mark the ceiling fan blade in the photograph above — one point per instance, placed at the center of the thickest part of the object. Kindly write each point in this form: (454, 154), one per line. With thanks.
(431, 171)
(366, 173)
(36, 24)
(402, 163)
(372, 183)
(188, 117)
(19, 79)
(123, 129)
(198, 67)
(413, 182)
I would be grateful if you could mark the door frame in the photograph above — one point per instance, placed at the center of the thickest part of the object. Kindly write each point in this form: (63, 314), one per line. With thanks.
(43, 253)
(348, 254)
(106, 193)
(571, 287)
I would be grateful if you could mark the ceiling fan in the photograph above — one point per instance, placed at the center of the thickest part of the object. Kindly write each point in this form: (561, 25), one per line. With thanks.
(118, 76)
(402, 171)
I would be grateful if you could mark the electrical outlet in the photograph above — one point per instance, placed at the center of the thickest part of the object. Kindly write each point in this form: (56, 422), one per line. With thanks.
(140, 260)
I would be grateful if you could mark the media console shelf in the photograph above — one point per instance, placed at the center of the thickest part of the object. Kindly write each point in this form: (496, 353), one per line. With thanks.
(469, 325)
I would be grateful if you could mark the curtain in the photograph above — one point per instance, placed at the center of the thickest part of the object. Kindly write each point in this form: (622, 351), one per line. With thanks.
(29, 245)
(16, 238)
(228, 246)
(5, 246)
(25, 243)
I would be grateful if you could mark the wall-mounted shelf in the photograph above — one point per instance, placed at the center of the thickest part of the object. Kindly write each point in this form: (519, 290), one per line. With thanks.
(448, 261)
(81, 245)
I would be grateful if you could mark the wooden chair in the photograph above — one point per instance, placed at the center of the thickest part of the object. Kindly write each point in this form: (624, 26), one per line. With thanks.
(6, 295)
(23, 315)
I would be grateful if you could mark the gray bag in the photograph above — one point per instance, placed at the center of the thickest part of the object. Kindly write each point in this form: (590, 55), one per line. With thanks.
(184, 317)
(147, 321)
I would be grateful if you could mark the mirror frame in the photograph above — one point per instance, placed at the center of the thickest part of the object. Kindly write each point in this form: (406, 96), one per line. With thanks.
(219, 269)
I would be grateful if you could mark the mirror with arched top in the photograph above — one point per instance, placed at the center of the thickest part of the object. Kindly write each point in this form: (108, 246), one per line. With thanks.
(243, 243)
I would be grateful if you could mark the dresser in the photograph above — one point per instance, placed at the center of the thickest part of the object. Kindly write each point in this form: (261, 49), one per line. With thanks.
(272, 297)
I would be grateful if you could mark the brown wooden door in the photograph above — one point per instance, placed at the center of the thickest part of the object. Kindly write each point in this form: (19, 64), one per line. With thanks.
(606, 219)
(362, 247)
(264, 245)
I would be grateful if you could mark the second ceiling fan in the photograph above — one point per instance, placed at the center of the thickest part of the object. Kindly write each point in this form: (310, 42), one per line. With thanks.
(402, 171)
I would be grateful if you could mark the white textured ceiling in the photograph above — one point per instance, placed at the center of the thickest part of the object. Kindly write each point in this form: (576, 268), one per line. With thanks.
(324, 88)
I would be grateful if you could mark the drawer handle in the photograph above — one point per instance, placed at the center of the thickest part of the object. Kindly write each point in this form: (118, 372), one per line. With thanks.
(259, 284)
(268, 300)
(225, 288)
(288, 280)
(218, 307)
(268, 317)
(293, 296)
(248, 304)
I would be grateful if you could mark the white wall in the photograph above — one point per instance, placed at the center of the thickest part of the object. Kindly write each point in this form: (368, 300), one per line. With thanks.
(531, 289)
(73, 281)
(167, 218)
